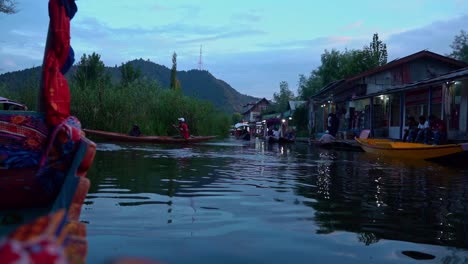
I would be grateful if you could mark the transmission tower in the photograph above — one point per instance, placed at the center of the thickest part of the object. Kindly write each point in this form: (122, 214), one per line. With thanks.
(200, 62)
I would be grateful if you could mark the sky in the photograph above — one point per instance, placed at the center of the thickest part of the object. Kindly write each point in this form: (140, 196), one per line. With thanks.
(252, 45)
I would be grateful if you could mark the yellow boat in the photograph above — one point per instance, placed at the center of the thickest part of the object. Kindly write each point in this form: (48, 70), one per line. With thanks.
(405, 150)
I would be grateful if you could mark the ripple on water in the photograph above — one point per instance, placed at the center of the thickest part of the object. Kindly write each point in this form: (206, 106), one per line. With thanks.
(293, 202)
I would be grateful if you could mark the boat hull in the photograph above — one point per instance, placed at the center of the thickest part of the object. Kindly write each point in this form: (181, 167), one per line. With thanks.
(112, 136)
(404, 150)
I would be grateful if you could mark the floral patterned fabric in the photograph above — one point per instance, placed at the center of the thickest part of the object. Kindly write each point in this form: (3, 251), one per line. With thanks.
(43, 241)
(23, 136)
(55, 163)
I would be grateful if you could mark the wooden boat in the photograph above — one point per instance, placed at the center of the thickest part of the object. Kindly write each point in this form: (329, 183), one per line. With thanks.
(44, 158)
(7, 104)
(404, 150)
(119, 137)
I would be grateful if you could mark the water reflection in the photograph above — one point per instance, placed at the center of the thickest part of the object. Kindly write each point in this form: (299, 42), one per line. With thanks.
(375, 198)
(293, 192)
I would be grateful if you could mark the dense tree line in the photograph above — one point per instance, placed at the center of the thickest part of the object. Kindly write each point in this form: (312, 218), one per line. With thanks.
(100, 104)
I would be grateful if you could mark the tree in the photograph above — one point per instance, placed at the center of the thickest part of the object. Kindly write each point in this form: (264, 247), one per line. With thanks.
(285, 95)
(8, 6)
(309, 86)
(175, 85)
(332, 63)
(336, 65)
(460, 47)
(236, 118)
(376, 53)
(129, 74)
(90, 72)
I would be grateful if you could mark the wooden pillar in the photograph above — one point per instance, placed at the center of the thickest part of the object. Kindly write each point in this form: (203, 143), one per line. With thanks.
(402, 114)
(429, 106)
(371, 117)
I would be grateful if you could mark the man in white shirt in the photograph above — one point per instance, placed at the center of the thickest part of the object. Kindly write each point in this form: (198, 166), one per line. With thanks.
(423, 129)
(326, 138)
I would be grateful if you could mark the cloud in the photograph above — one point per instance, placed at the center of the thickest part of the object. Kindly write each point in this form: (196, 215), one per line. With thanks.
(435, 37)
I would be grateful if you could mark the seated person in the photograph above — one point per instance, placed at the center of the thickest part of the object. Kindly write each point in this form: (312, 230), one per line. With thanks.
(411, 131)
(438, 129)
(183, 128)
(135, 131)
(270, 131)
(423, 130)
(290, 134)
(276, 133)
(327, 138)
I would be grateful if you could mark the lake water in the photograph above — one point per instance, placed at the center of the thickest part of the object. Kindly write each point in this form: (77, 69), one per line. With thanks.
(248, 202)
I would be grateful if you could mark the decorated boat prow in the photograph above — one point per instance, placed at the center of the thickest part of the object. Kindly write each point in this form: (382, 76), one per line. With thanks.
(44, 158)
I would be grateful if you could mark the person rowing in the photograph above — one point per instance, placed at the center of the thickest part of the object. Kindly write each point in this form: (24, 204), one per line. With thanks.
(183, 128)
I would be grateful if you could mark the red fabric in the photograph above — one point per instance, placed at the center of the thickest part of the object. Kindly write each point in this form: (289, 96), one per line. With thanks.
(56, 92)
(184, 131)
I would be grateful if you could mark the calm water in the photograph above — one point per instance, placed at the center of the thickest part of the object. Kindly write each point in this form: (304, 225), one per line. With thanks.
(238, 202)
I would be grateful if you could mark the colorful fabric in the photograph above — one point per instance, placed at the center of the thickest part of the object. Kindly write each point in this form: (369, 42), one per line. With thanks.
(56, 94)
(41, 241)
(23, 136)
(63, 143)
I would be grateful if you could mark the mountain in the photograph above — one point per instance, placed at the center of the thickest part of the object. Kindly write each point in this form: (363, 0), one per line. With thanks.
(195, 83)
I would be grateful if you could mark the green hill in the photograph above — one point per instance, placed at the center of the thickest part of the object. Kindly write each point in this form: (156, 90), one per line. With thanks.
(195, 83)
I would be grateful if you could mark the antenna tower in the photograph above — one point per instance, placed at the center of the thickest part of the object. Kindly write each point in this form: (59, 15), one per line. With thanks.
(200, 63)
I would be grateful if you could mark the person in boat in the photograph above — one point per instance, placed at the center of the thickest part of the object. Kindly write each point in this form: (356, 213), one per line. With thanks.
(411, 131)
(332, 124)
(135, 131)
(270, 131)
(327, 138)
(183, 128)
(276, 133)
(423, 130)
(290, 134)
(438, 130)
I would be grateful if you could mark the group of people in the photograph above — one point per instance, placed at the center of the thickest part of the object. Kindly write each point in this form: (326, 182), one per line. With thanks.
(182, 127)
(426, 130)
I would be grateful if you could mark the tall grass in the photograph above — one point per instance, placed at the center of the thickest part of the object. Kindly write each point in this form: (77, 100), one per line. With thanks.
(117, 108)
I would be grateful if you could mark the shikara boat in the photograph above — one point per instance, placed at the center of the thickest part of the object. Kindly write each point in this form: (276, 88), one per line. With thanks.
(7, 104)
(405, 150)
(44, 158)
(119, 137)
